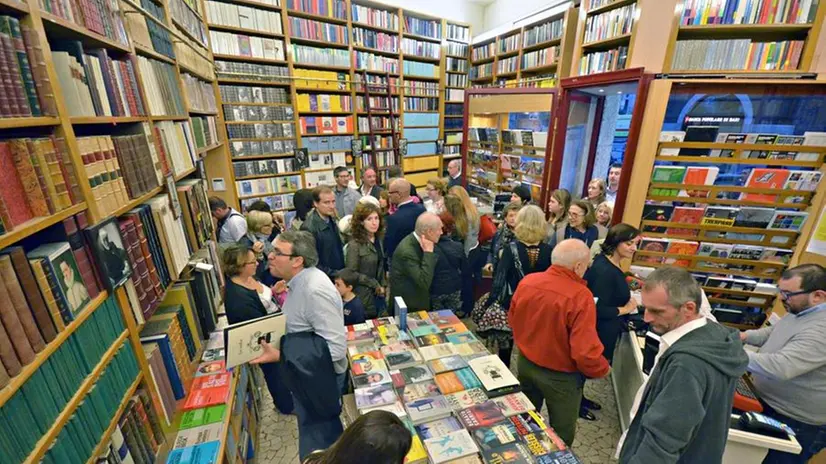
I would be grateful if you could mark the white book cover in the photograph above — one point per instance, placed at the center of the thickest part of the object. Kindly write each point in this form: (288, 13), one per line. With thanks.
(452, 446)
(492, 372)
(242, 340)
(671, 136)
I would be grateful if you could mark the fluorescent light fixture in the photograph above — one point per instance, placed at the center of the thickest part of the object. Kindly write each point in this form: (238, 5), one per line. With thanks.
(545, 12)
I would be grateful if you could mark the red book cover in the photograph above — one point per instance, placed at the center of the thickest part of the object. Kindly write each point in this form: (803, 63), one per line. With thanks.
(13, 193)
(681, 248)
(67, 169)
(140, 276)
(208, 390)
(32, 292)
(765, 178)
(686, 215)
(39, 170)
(481, 415)
(28, 177)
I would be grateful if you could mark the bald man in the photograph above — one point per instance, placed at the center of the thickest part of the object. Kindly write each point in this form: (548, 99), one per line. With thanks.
(403, 221)
(454, 171)
(414, 262)
(553, 318)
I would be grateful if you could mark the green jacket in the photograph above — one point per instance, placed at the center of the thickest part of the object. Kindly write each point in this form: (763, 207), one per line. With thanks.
(411, 273)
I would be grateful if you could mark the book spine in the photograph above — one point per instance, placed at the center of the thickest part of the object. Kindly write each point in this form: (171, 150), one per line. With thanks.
(84, 265)
(28, 177)
(68, 170)
(48, 296)
(21, 306)
(13, 193)
(60, 299)
(45, 189)
(14, 327)
(40, 75)
(8, 104)
(32, 292)
(8, 357)
(25, 67)
(55, 172)
(11, 59)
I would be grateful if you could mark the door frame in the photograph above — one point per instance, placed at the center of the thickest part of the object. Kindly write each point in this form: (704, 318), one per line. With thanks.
(565, 96)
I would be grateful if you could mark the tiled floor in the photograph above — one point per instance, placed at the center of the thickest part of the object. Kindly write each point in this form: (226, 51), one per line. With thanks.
(595, 441)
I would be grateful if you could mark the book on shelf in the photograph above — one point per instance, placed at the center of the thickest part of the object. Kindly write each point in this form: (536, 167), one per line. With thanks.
(166, 333)
(183, 13)
(303, 54)
(420, 48)
(25, 83)
(666, 175)
(707, 12)
(317, 30)
(737, 54)
(161, 85)
(374, 17)
(330, 8)
(686, 215)
(249, 46)
(542, 33)
(765, 178)
(424, 27)
(103, 18)
(245, 17)
(603, 61)
(376, 63)
(375, 39)
(610, 24)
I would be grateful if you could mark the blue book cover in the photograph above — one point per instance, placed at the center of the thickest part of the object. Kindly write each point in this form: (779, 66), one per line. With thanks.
(169, 362)
(205, 453)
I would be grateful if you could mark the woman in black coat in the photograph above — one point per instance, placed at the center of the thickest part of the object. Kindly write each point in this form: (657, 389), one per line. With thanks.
(365, 255)
(606, 280)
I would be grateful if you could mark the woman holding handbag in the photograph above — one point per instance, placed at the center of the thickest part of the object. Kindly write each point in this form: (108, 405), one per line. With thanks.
(525, 255)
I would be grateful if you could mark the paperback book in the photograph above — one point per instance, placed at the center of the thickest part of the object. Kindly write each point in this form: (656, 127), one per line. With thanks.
(451, 446)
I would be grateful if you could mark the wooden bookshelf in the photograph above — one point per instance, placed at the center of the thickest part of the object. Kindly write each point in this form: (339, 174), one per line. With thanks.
(114, 424)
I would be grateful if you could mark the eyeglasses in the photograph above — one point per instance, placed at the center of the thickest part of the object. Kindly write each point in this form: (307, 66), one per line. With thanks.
(786, 295)
(573, 214)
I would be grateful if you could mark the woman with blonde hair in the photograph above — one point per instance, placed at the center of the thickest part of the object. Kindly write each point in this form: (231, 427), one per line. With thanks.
(470, 231)
(596, 192)
(525, 255)
(259, 229)
(436, 190)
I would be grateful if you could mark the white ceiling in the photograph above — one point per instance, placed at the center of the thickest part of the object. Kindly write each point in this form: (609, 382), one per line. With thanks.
(481, 2)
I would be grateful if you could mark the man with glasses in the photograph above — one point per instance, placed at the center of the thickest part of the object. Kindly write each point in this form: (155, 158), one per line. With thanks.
(789, 369)
(346, 197)
(401, 223)
(322, 224)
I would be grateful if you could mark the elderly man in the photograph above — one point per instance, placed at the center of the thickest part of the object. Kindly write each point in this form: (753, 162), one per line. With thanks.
(414, 263)
(789, 370)
(685, 406)
(401, 223)
(346, 197)
(369, 185)
(454, 170)
(321, 222)
(553, 318)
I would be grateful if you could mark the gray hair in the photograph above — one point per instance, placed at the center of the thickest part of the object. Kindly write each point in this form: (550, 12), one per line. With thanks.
(427, 221)
(568, 253)
(303, 244)
(455, 163)
(678, 284)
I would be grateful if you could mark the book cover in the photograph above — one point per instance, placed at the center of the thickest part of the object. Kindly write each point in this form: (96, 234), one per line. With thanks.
(213, 354)
(720, 216)
(470, 349)
(360, 337)
(438, 428)
(450, 446)
(444, 317)
(542, 443)
(801, 181)
(492, 373)
(671, 136)
(417, 453)
(481, 415)
(698, 176)
(514, 453)
(699, 134)
(714, 250)
(396, 408)
(198, 435)
(725, 137)
(378, 395)
(372, 379)
(686, 215)
(437, 351)
(496, 435)
(412, 392)
(657, 245)
(528, 422)
(446, 364)
(661, 213)
(242, 340)
(754, 216)
(454, 329)
(203, 416)
(353, 350)
(363, 365)
(205, 453)
(402, 359)
(565, 456)
(449, 382)
(765, 178)
(513, 404)
(421, 330)
(759, 139)
(666, 175)
(681, 247)
(788, 220)
(467, 398)
(427, 409)
(459, 338)
(209, 368)
(415, 374)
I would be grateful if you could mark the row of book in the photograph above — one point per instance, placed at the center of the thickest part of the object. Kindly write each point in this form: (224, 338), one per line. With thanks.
(456, 398)
(543, 57)
(194, 61)
(375, 17)
(457, 49)
(178, 145)
(205, 131)
(379, 159)
(376, 63)
(262, 130)
(317, 30)
(242, 112)
(303, 54)
(329, 8)
(265, 167)
(377, 83)
(103, 18)
(420, 48)
(146, 32)
(507, 65)
(417, 68)
(281, 184)
(261, 148)
(457, 32)
(453, 137)
(593, 4)
(483, 51)
(199, 94)
(376, 123)
(284, 201)
(701, 12)
(421, 88)
(324, 103)
(686, 248)
(456, 64)
(375, 39)
(23, 78)
(38, 180)
(604, 61)
(81, 434)
(308, 79)
(251, 71)
(713, 134)
(457, 80)
(251, 94)
(508, 44)
(482, 70)
(311, 125)
(137, 434)
(228, 43)
(378, 104)
(612, 23)
(328, 143)
(542, 33)
(185, 17)
(737, 54)
(452, 150)
(163, 93)
(454, 109)
(421, 104)
(233, 15)
(454, 95)
(424, 27)
(377, 142)
(94, 84)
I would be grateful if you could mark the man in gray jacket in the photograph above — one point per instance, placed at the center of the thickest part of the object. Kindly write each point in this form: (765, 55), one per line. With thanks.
(685, 408)
(789, 370)
(346, 197)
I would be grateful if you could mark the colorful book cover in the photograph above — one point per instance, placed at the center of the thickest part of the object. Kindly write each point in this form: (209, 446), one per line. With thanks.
(513, 404)
(437, 351)
(417, 453)
(720, 216)
(451, 446)
(446, 364)
(458, 338)
(415, 391)
(513, 453)
(364, 363)
(467, 398)
(213, 354)
(671, 136)
(686, 215)
(415, 374)
(205, 453)
(496, 435)
(424, 330)
(438, 428)
(481, 415)
(372, 379)
(378, 395)
(666, 175)
(681, 247)
(698, 176)
(661, 213)
(444, 317)
(725, 137)
(402, 359)
(449, 382)
(397, 347)
(765, 178)
(754, 216)
(541, 443)
(559, 457)
(360, 336)
(528, 422)
(454, 329)
(788, 220)
(203, 416)
(208, 390)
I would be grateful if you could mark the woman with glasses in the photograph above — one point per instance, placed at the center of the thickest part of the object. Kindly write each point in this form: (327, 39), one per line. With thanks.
(581, 225)
(436, 190)
(246, 298)
(259, 229)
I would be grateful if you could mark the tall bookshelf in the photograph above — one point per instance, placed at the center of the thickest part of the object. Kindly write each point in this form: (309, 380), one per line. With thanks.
(535, 55)
(457, 65)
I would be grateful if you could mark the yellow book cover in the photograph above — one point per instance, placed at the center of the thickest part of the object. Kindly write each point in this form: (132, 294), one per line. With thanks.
(417, 453)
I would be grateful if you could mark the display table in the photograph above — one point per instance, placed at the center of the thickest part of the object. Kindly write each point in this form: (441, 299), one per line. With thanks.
(627, 377)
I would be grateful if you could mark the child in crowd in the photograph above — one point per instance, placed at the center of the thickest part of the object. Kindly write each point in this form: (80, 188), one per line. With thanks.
(345, 280)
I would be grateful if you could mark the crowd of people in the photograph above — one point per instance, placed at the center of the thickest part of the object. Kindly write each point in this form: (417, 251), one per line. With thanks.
(558, 293)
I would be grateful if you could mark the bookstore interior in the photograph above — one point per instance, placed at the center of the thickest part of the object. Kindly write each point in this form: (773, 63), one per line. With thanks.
(121, 118)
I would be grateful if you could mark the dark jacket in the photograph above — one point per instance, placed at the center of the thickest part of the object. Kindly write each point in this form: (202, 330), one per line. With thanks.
(607, 283)
(507, 277)
(400, 224)
(451, 267)
(503, 236)
(685, 410)
(241, 304)
(368, 260)
(451, 182)
(411, 273)
(327, 242)
(308, 372)
(563, 233)
(375, 192)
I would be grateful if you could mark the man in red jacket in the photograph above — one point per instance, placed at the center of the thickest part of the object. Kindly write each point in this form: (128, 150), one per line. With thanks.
(553, 318)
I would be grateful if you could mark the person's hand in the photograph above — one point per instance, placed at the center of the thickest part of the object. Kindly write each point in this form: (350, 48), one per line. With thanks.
(380, 291)
(427, 245)
(280, 287)
(257, 247)
(268, 354)
(278, 219)
(488, 267)
(629, 307)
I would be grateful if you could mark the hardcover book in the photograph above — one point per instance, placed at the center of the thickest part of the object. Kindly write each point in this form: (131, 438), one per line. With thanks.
(496, 435)
(446, 364)
(415, 391)
(528, 422)
(661, 213)
(481, 415)
(438, 428)
(493, 373)
(450, 446)
(720, 216)
(542, 443)
(378, 395)
(686, 215)
(427, 409)
(666, 175)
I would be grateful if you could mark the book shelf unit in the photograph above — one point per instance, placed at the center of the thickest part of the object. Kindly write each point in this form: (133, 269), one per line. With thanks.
(606, 35)
(535, 55)
(743, 227)
(456, 50)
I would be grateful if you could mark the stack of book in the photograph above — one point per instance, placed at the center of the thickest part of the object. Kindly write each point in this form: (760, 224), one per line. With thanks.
(137, 432)
(101, 17)
(317, 30)
(25, 83)
(262, 148)
(205, 130)
(374, 39)
(260, 130)
(228, 43)
(423, 89)
(178, 143)
(482, 70)
(378, 84)
(457, 49)
(610, 24)
(250, 94)
(160, 83)
(420, 104)
(542, 33)
(507, 65)
(543, 57)
(330, 8)
(457, 80)
(457, 400)
(457, 65)
(244, 17)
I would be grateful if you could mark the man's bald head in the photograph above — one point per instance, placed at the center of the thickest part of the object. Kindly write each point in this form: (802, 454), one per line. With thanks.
(426, 222)
(572, 254)
(399, 191)
(454, 167)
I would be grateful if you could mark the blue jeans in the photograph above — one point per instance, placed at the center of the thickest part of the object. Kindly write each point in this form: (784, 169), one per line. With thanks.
(812, 439)
(314, 433)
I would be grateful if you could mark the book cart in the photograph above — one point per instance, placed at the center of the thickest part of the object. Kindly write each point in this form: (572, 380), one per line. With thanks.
(757, 151)
(506, 141)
